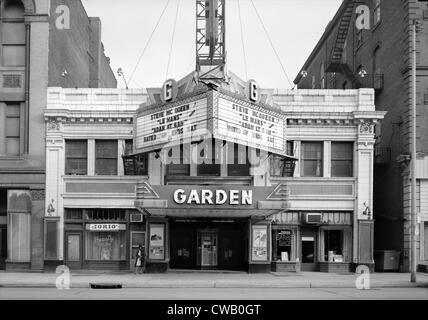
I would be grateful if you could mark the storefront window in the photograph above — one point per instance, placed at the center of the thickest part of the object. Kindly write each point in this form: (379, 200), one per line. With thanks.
(19, 225)
(282, 245)
(106, 245)
(337, 245)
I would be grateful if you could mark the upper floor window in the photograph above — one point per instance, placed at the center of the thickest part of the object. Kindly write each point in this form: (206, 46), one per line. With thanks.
(10, 132)
(376, 12)
(314, 82)
(106, 157)
(178, 160)
(210, 155)
(76, 157)
(359, 37)
(376, 61)
(13, 34)
(240, 165)
(342, 155)
(134, 165)
(312, 159)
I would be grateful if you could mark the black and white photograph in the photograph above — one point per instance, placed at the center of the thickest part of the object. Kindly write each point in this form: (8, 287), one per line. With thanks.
(220, 152)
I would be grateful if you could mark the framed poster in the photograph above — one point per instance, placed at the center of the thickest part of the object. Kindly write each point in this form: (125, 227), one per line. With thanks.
(157, 242)
(259, 250)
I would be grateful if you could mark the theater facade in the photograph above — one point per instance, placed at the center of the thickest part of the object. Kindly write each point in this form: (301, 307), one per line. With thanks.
(224, 176)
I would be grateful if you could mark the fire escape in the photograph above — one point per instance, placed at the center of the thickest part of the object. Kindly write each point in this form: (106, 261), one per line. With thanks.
(336, 62)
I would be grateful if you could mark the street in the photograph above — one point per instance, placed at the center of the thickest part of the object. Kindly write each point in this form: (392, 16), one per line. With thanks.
(215, 294)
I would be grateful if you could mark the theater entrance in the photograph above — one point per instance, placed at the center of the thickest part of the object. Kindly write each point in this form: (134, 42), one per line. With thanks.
(208, 245)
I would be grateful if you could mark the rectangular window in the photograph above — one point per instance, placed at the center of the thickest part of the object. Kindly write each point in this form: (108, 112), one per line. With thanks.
(283, 245)
(359, 37)
(76, 157)
(106, 245)
(240, 165)
(376, 12)
(210, 157)
(51, 239)
(13, 114)
(342, 155)
(312, 159)
(178, 161)
(19, 225)
(106, 157)
(13, 44)
(333, 245)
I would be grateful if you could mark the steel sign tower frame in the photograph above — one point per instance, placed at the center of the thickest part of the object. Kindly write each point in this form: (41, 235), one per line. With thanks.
(211, 39)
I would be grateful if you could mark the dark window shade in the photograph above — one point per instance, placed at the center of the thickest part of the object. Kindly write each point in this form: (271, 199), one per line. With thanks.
(106, 157)
(312, 159)
(342, 154)
(76, 153)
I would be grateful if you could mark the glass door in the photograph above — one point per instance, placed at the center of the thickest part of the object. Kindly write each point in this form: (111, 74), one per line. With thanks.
(208, 242)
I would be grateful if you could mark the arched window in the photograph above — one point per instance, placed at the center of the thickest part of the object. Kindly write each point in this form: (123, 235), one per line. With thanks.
(13, 34)
(376, 61)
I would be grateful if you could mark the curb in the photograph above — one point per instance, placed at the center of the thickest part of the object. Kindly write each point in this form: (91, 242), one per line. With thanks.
(217, 286)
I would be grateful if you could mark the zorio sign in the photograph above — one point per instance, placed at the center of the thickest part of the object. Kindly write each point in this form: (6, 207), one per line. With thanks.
(105, 227)
(214, 197)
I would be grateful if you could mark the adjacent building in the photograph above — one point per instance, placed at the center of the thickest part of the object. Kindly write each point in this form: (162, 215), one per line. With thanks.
(210, 177)
(39, 47)
(380, 58)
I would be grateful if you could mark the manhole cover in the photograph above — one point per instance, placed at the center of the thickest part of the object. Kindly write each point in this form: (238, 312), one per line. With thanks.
(105, 286)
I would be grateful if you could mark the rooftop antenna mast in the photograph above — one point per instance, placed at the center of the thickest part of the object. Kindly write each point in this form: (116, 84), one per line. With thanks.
(211, 40)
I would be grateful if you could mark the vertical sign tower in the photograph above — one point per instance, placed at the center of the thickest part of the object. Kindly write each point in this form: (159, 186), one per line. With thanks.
(210, 39)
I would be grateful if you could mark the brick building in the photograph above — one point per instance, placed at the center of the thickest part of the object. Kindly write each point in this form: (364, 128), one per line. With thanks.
(35, 53)
(380, 58)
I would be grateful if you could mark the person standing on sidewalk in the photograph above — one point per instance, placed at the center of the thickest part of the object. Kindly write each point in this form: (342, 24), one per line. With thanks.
(140, 260)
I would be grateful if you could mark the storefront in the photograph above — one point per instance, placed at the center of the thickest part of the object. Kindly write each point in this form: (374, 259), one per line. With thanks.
(102, 238)
(312, 241)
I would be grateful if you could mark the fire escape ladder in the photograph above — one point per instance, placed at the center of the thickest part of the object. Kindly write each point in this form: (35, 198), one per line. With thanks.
(336, 59)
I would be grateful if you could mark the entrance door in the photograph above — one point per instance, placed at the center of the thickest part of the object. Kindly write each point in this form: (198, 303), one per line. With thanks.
(208, 241)
(73, 250)
(308, 254)
(3, 247)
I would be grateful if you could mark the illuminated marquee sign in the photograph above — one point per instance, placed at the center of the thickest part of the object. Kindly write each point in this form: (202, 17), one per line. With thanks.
(173, 123)
(251, 126)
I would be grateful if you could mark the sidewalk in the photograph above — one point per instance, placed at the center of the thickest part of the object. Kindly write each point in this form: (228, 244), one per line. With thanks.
(214, 280)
